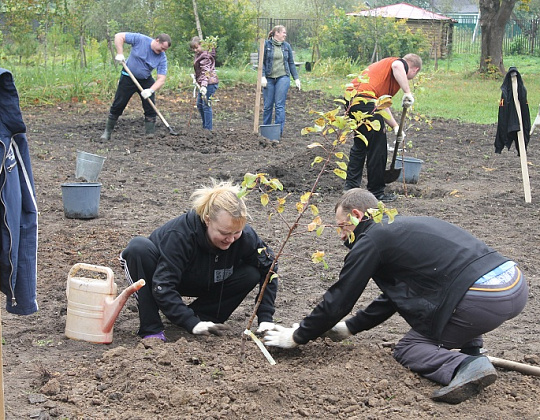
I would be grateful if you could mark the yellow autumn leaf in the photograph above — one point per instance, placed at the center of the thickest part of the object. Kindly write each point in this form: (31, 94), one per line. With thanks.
(305, 197)
(342, 174)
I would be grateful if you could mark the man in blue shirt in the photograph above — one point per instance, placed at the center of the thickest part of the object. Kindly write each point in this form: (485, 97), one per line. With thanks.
(146, 55)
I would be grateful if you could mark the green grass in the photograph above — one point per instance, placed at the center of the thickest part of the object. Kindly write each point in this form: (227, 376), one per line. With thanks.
(454, 91)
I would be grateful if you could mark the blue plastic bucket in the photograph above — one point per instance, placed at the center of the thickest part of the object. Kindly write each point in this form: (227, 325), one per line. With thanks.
(81, 199)
(271, 131)
(410, 169)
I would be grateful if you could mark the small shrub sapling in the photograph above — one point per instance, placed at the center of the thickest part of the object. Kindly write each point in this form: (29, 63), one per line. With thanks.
(334, 128)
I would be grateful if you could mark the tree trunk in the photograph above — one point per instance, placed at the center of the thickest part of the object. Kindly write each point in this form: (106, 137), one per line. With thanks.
(197, 22)
(494, 14)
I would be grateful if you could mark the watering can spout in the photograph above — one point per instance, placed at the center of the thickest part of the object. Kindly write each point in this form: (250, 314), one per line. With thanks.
(114, 306)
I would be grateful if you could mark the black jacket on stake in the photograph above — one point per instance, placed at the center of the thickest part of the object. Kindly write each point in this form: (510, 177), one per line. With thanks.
(508, 123)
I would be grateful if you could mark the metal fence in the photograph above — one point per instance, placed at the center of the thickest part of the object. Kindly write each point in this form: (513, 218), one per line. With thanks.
(298, 30)
(520, 36)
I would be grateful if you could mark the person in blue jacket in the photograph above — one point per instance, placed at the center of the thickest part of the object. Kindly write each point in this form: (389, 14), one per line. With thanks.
(18, 209)
(449, 286)
(278, 67)
(209, 253)
(146, 55)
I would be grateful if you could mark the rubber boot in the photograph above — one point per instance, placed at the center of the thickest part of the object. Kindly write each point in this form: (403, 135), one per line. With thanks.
(108, 129)
(149, 128)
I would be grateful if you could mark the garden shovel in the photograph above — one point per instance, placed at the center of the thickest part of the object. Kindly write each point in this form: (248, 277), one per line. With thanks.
(198, 89)
(391, 174)
(171, 130)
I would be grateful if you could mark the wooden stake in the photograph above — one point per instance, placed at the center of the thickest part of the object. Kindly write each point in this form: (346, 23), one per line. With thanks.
(518, 367)
(521, 143)
(258, 92)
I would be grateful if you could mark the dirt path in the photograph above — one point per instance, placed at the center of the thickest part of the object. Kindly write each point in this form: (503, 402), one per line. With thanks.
(148, 181)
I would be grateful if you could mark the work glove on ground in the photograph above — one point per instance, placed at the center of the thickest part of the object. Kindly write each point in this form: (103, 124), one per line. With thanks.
(338, 332)
(120, 58)
(265, 326)
(264, 82)
(407, 100)
(207, 328)
(281, 337)
(203, 90)
(146, 93)
(298, 84)
(536, 123)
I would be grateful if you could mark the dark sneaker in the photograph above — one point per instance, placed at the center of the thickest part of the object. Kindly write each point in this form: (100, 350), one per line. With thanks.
(159, 336)
(386, 198)
(473, 375)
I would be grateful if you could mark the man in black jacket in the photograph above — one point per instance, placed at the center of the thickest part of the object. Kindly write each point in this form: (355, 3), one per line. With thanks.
(449, 286)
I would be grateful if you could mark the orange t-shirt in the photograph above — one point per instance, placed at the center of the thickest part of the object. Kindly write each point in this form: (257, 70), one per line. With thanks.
(381, 80)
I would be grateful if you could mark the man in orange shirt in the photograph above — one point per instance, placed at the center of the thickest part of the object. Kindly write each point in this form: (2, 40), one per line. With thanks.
(385, 77)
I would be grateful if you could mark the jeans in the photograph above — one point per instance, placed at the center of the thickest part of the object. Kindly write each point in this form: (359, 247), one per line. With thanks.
(275, 94)
(205, 106)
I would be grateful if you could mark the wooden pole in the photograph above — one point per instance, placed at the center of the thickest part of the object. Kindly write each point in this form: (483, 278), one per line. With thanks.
(258, 92)
(521, 143)
(518, 367)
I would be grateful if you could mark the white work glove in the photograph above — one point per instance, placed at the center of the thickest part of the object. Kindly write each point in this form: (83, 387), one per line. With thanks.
(400, 138)
(265, 326)
(264, 82)
(536, 123)
(298, 84)
(207, 328)
(339, 332)
(120, 58)
(146, 93)
(407, 100)
(281, 337)
(203, 90)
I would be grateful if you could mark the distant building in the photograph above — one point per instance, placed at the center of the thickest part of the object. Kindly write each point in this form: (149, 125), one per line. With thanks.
(436, 27)
(463, 11)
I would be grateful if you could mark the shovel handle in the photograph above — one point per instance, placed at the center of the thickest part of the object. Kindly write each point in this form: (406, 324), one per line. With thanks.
(128, 71)
(399, 133)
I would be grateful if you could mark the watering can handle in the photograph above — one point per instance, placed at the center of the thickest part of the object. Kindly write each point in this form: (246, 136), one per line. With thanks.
(91, 267)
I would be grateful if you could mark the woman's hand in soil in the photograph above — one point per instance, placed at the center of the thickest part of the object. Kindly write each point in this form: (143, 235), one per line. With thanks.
(281, 337)
(207, 328)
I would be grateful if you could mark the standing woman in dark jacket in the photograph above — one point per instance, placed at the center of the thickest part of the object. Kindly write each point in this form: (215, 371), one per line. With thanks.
(206, 78)
(209, 253)
(278, 66)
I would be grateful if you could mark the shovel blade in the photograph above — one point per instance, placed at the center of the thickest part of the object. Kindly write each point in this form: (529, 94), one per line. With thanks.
(391, 175)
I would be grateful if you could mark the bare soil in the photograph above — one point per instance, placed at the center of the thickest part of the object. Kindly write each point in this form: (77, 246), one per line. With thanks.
(145, 182)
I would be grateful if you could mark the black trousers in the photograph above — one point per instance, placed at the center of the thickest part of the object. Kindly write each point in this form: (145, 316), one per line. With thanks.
(215, 301)
(476, 314)
(375, 152)
(125, 90)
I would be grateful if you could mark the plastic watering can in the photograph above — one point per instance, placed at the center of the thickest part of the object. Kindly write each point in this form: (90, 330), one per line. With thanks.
(92, 305)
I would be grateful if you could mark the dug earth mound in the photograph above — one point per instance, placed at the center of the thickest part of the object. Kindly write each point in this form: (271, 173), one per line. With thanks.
(145, 182)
